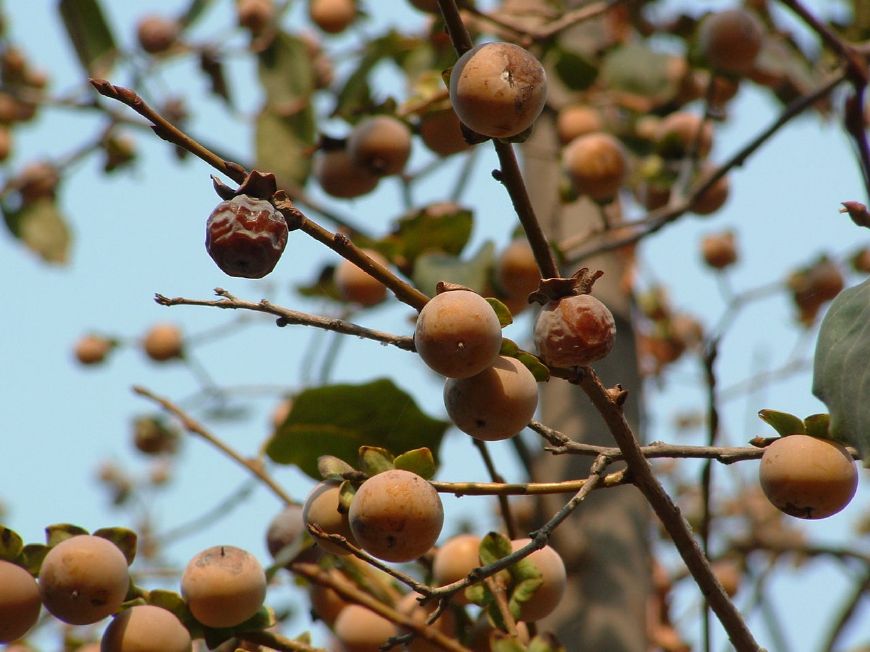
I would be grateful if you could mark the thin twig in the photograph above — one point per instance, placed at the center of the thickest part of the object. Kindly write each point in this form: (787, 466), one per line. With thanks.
(847, 611)
(503, 503)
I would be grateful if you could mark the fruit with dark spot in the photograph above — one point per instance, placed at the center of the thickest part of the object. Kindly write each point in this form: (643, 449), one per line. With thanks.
(145, 628)
(163, 342)
(19, 602)
(322, 509)
(498, 89)
(495, 404)
(549, 594)
(246, 236)
(574, 331)
(381, 144)
(359, 629)
(596, 164)
(396, 516)
(731, 40)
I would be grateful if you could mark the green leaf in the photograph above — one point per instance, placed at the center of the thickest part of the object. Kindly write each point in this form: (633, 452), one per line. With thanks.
(171, 601)
(637, 69)
(338, 419)
(502, 311)
(431, 229)
(493, 547)
(818, 425)
(374, 460)
(527, 578)
(574, 70)
(43, 230)
(840, 370)
(263, 619)
(346, 492)
(546, 642)
(355, 98)
(472, 273)
(11, 544)
(123, 538)
(31, 557)
(478, 594)
(783, 422)
(419, 461)
(194, 11)
(331, 467)
(509, 348)
(54, 534)
(503, 643)
(539, 370)
(90, 35)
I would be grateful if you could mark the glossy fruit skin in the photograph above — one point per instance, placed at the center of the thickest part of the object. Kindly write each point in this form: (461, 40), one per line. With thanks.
(246, 236)
(731, 40)
(596, 164)
(381, 144)
(145, 628)
(19, 602)
(332, 16)
(358, 286)
(396, 516)
(808, 477)
(163, 342)
(458, 334)
(223, 586)
(83, 579)
(548, 596)
(340, 177)
(574, 331)
(362, 630)
(495, 404)
(441, 132)
(498, 89)
(455, 560)
(321, 509)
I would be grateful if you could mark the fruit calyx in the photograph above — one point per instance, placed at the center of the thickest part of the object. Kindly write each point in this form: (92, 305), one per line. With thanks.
(260, 185)
(553, 289)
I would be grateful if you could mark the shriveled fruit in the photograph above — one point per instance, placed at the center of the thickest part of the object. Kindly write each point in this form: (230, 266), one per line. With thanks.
(498, 89)
(145, 628)
(596, 164)
(458, 334)
(223, 586)
(495, 404)
(332, 16)
(441, 132)
(340, 177)
(92, 349)
(574, 331)
(381, 144)
(549, 594)
(681, 131)
(19, 602)
(808, 477)
(577, 120)
(362, 630)
(396, 516)
(731, 40)
(156, 34)
(83, 579)
(456, 559)
(163, 342)
(246, 236)
(719, 250)
(322, 509)
(358, 286)
(517, 270)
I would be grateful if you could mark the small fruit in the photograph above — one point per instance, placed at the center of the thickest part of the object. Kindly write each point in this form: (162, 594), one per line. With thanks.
(145, 628)
(156, 34)
(358, 286)
(678, 132)
(322, 509)
(332, 16)
(362, 630)
(577, 120)
(246, 236)
(808, 477)
(223, 586)
(596, 164)
(495, 404)
(730, 40)
(92, 349)
(719, 250)
(396, 516)
(574, 331)
(340, 177)
(19, 602)
(712, 199)
(458, 334)
(455, 560)
(37, 181)
(549, 594)
(517, 270)
(441, 132)
(154, 436)
(498, 89)
(163, 342)
(83, 579)
(255, 15)
(287, 528)
(381, 144)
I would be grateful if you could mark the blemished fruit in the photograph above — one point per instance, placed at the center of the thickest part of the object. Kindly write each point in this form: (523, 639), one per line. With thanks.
(246, 236)
(358, 286)
(574, 331)
(596, 164)
(517, 270)
(549, 594)
(678, 132)
(495, 404)
(19, 602)
(719, 250)
(332, 16)
(321, 509)
(362, 630)
(223, 586)
(83, 579)
(255, 15)
(730, 40)
(381, 144)
(92, 349)
(577, 120)
(163, 342)
(808, 477)
(441, 132)
(145, 628)
(340, 177)
(454, 560)
(156, 34)
(396, 516)
(498, 89)
(458, 334)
